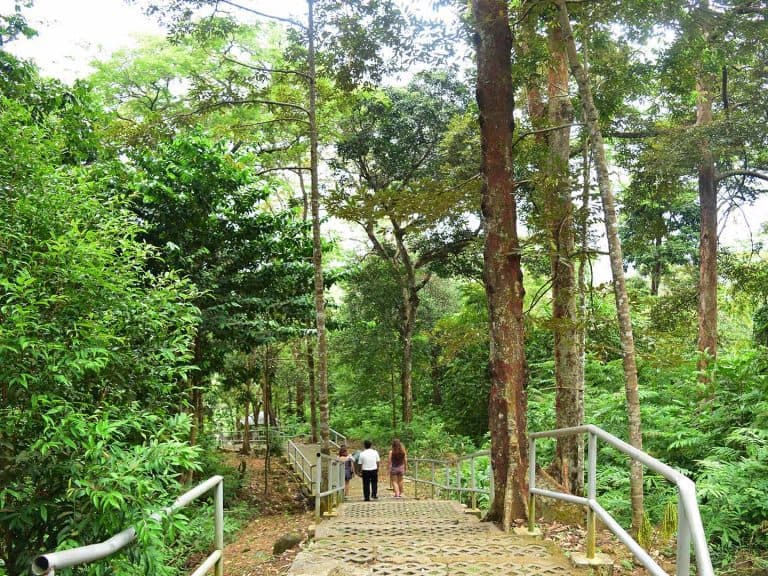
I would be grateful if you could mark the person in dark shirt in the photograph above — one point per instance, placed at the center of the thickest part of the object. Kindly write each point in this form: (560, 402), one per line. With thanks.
(348, 471)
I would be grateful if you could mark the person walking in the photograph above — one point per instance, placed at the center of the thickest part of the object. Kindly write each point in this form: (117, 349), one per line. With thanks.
(348, 461)
(369, 462)
(398, 464)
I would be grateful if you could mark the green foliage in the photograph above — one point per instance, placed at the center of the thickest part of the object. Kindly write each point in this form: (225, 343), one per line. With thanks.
(89, 340)
(211, 220)
(15, 24)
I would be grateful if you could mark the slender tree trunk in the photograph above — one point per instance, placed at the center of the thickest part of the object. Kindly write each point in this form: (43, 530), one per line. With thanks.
(393, 396)
(317, 255)
(255, 408)
(583, 256)
(502, 270)
(246, 448)
(312, 390)
(656, 269)
(591, 118)
(267, 401)
(569, 396)
(437, 375)
(409, 309)
(195, 395)
(707, 342)
(300, 387)
(408, 322)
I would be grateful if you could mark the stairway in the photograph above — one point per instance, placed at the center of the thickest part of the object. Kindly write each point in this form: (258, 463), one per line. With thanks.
(407, 537)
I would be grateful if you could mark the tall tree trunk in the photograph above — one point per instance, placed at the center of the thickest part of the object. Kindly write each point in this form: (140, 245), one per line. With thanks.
(195, 394)
(312, 390)
(656, 269)
(591, 118)
(300, 387)
(393, 396)
(569, 396)
(436, 374)
(267, 400)
(502, 270)
(409, 308)
(255, 407)
(246, 447)
(707, 341)
(554, 186)
(583, 255)
(317, 255)
(410, 305)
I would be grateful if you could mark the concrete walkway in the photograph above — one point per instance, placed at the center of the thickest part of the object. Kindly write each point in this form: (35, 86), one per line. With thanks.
(407, 537)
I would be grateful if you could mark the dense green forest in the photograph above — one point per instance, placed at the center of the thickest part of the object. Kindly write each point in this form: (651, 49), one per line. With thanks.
(449, 222)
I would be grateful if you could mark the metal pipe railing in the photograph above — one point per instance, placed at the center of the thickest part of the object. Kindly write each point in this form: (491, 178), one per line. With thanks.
(451, 469)
(690, 527)
(47, 564)
(335, 482)
(336, 438)
(301, 466)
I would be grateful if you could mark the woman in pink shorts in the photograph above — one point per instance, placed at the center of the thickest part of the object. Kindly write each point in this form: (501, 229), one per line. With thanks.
(398, 465)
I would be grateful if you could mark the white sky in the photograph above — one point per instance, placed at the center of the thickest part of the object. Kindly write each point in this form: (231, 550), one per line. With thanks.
(72, 33)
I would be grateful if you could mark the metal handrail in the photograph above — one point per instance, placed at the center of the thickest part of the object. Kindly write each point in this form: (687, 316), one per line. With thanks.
(445, 485)
(690, 527)
(257, 435)
(301, 465)
(335, 475)
(48, 563)
(336, 438)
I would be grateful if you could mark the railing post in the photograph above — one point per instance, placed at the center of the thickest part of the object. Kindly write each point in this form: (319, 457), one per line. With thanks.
(329, 488)
(473, 497)
(447, 479)
(434, 478)
(591, 494)
(218, 503)
(416, 482)
(491, 483)
(683, 540)
(531, 485)
(460, 494)
(318, 485)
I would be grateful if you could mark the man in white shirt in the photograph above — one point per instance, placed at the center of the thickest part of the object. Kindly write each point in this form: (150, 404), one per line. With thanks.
(369, 461)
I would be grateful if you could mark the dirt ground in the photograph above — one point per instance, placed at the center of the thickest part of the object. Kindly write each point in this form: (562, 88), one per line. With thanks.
(281, 510)
(571, 538)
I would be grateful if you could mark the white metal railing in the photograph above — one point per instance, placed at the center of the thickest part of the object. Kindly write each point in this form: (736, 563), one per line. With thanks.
(326, 471)
(256, 435)
(690, 528)
(302, 467)
(447, 476)
(336, 438)
(48, 563)
(333, 479)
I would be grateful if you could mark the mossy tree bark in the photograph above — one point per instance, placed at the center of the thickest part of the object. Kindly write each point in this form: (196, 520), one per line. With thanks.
(592, 120)
(317, 253)
(552, 120)
(502, 267)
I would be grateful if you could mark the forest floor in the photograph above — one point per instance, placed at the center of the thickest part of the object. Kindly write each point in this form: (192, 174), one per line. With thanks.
(281, 510)
(570, 538)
